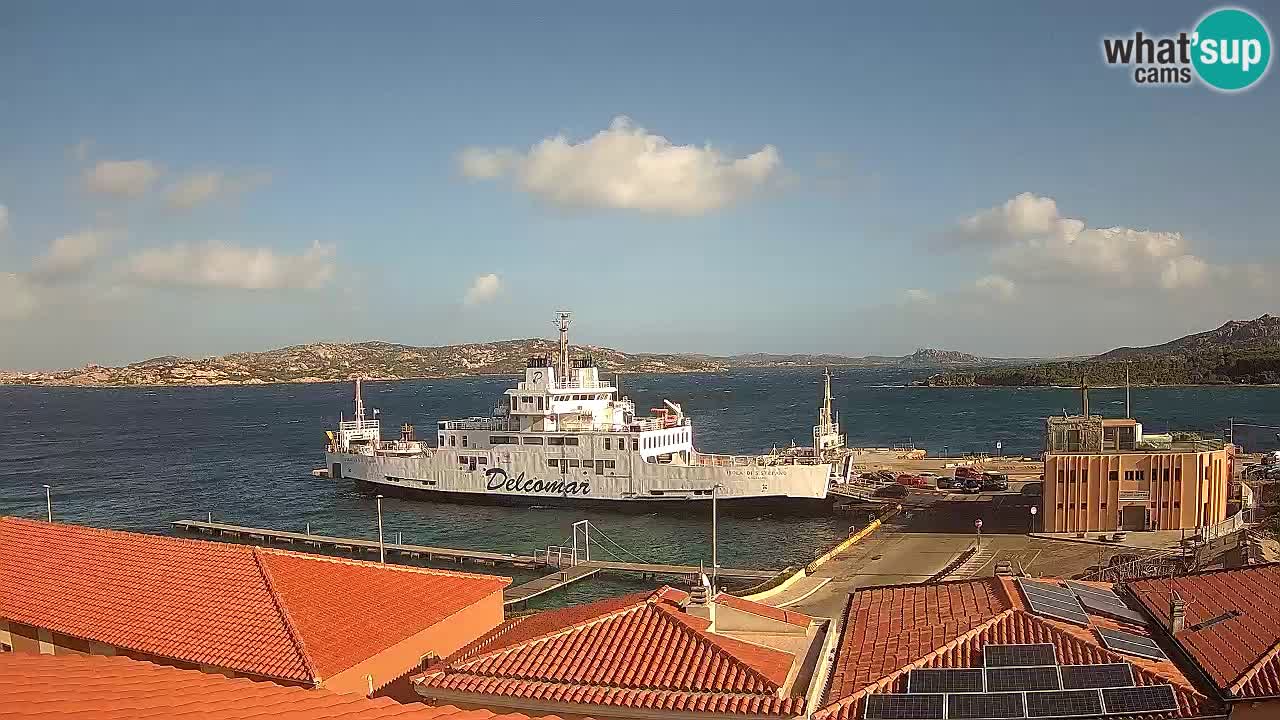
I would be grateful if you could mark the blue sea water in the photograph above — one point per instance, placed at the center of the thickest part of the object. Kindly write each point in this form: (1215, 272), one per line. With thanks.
(140, 458)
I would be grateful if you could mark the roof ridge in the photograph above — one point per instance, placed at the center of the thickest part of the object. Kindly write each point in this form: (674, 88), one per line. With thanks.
(278, 602)
(1208, 571)
(1254, 669)
(678, 618)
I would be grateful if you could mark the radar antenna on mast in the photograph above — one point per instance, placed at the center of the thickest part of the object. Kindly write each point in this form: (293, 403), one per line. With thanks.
(562, 323)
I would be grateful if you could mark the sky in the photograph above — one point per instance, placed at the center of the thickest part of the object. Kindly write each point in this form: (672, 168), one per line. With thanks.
(685, 177)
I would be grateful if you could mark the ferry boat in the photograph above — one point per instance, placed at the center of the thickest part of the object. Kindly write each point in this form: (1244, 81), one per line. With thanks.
(563, 436)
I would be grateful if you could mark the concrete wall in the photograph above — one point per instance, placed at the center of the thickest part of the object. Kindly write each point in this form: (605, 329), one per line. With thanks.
(1085, 492)
(1264, 710)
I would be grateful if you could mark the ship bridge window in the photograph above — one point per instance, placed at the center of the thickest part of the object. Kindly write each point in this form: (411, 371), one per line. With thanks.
(442, 427)
(555, 441)
(606, 444)
(533, 441)
(635, 444)
(453, 440)
(464, 441)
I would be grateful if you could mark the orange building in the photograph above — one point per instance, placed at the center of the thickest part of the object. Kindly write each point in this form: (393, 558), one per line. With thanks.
(1104, 475)
(236, 610)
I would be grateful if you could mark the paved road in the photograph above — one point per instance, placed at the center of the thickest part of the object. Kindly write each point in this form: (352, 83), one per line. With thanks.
(923, 539)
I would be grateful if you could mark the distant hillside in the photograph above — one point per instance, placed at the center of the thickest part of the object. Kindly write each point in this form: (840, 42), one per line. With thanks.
(324, 362)
(321, 362)
(1241, 352)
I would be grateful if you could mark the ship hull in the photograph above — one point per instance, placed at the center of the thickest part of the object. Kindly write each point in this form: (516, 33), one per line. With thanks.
(524, 480)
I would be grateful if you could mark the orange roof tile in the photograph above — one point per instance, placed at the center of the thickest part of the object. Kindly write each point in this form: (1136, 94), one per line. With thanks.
(891, 630)
(639, 651)
(89, 687)
(261, 611)
(1238, 652)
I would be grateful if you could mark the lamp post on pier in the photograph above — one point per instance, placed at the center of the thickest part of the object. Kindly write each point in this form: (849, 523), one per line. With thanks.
(715, 558)
(382, 550)
(48, 503)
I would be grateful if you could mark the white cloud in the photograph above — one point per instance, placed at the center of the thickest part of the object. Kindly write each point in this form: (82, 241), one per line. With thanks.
(626, 167)
(17, 297)
(127, 178)
(72, 253)
(221, 265)
(1030, 239)
(199, 188)
(483, 289)
(919, 295)
(997, 287)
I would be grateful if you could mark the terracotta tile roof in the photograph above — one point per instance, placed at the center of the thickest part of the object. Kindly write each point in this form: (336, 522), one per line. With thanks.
(639, 651)
(889, 631)
(84, 687)
(266, 612)
(1238, 652)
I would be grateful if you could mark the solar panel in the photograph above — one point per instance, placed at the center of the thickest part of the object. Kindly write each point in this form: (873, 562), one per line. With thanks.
(1077, 677)
(1007, 679)
(1054, 601)
(904, 707)
(1030, 655)
(1148, 698)
(930, 680)
(986, 706)
(1101, 601)
(1130, 644)
(1064, 703)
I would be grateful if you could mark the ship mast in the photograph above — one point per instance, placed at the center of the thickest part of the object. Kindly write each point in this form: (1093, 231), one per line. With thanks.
(562, 322)
(359, 402)
(824, 418)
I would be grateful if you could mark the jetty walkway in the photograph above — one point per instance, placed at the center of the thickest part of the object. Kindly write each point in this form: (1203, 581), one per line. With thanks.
(567, 571)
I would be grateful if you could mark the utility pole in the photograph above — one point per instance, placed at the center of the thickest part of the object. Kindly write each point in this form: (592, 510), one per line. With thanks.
(48, 503)
(382, 550)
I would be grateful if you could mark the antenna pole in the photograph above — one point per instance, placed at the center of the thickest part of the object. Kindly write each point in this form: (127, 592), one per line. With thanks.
(1128, 413)
(562, 323)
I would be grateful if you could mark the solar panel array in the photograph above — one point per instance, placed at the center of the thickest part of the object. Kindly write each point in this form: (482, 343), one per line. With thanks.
(1021, 681)
(1101, 601)
(1084, 703)
(1053, 601)
(1130, 644)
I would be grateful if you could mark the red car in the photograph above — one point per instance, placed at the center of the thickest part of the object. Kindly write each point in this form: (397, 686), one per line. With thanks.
(912, 480)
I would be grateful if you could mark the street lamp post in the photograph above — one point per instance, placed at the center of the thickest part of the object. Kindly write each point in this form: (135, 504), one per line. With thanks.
(48, 503)
(715, 558)
(382, 550)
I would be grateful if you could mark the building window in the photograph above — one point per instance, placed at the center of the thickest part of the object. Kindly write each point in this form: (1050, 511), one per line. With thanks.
(635, 444)
(571, 441)
(553, 463)
(1176, 504)
(1059, 506)
(1102, 505)
(453, 440)
(1166, 474)
(1084, 475)
(1114, 476)
(606, 443)
(464, 441)
(1140, 474)
(1128, 474)
(1177, 474)
(609, 464)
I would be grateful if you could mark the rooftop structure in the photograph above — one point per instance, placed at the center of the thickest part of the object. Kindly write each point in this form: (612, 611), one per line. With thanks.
(1226, 622)
(269, 614)
(1003, 641)
(663, 654)
(75, 687)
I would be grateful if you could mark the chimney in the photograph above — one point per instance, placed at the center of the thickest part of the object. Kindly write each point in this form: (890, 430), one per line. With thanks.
(1084, 397)
(702, 605)
(1177, 614)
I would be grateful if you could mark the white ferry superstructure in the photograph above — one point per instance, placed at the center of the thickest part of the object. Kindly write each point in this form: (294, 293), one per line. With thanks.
(564, 436)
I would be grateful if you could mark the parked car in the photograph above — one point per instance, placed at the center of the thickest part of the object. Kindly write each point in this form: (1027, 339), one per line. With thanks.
(972, 485)
(893, 491)
(995, 481)
(947, 482)
(912, 480)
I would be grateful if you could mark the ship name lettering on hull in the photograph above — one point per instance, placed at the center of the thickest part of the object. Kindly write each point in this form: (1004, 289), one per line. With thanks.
(497, 479)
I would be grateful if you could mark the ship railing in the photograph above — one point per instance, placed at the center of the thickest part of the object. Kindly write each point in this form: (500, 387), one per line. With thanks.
(738, 460)
(478, 424)
(582, 385)
(648, 424)
(358, 425)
